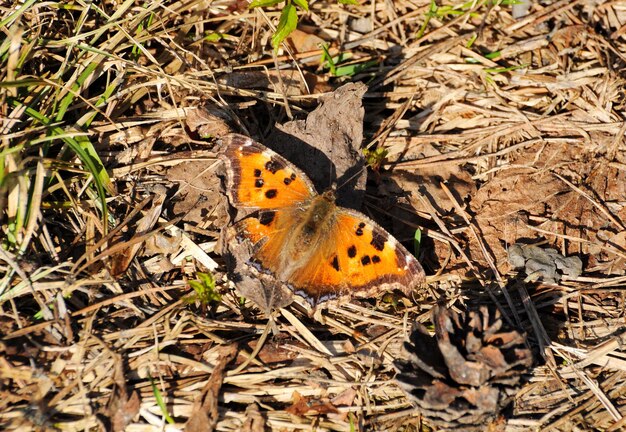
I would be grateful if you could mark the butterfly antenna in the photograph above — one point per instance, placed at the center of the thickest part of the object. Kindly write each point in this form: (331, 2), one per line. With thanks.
(352, 177)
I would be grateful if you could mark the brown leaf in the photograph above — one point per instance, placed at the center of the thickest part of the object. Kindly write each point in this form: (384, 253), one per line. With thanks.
(121, 260)
(121, 408)
(277, 350)
(426, 179)
(565, 192)
(254, 420)
(345, 398)
(285, 81)
(208, 121)
(199, 190)
(204, 412)
(300, 41)
(308, 406)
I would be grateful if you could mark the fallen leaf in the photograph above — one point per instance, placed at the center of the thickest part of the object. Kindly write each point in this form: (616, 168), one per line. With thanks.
(302, 406)
(556, 193)
(204, 414)
(208, 122)
(285, 81)
(121, 260)
(300, 41)
(121, 408)
(254, 420)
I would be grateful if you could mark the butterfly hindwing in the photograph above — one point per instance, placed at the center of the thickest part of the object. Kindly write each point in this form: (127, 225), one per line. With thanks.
(267, 231)
(259, 178)
(357, 257)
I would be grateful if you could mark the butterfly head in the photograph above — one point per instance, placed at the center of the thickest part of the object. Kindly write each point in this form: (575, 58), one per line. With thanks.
(330, 194)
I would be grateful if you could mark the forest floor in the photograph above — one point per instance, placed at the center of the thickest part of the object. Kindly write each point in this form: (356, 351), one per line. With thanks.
(493, 137)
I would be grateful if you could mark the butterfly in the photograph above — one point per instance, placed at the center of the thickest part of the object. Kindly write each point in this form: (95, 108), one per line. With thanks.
(302, 239)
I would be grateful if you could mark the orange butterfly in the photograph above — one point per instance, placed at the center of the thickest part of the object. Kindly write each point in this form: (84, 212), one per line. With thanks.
(319, 250)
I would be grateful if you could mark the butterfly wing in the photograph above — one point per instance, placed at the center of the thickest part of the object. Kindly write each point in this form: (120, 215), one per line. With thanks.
(255, 245)
(267, 232)
(358, 257)
(259, 178)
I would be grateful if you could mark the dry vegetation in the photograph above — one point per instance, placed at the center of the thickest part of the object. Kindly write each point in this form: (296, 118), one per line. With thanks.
(497, 130)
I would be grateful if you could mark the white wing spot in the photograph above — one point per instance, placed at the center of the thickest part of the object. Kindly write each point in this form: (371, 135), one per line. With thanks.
(391, 242)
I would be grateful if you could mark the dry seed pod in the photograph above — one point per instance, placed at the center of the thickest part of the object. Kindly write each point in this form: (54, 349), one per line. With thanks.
(467, 373)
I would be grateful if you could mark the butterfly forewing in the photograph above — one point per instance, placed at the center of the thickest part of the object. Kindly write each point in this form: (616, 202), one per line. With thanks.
(260, 178)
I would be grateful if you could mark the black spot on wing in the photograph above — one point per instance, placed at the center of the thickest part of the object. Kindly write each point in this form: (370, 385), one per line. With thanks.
(378, 240)
(267, 217)
(365, 260)
(352, 251)
(287, 181)
(271, 193)
(359, 229)
(375, 259)
(335, 263)
(257, 172)
(274, 165)
(259, 183)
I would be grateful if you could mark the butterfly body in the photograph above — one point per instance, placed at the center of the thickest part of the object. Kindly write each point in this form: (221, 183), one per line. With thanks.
(304, 240)
(309, 224)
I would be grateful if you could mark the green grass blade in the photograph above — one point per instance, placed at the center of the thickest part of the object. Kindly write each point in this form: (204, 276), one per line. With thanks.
(85, 152)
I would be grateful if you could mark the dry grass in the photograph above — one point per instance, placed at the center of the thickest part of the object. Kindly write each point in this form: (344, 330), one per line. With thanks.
(97, 100)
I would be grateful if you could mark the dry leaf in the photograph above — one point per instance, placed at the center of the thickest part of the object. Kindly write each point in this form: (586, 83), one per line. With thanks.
(562, 192)
(121, 408)
(309, 406)
(204, 414)
(208, 121)
(120, 261)
(301, 42)
(327, 145)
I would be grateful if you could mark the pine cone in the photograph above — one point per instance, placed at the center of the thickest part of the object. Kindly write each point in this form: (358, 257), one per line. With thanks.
(466, 374)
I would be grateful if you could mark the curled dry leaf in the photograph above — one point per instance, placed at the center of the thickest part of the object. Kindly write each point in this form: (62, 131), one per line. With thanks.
(122, 408)
(205, 410)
